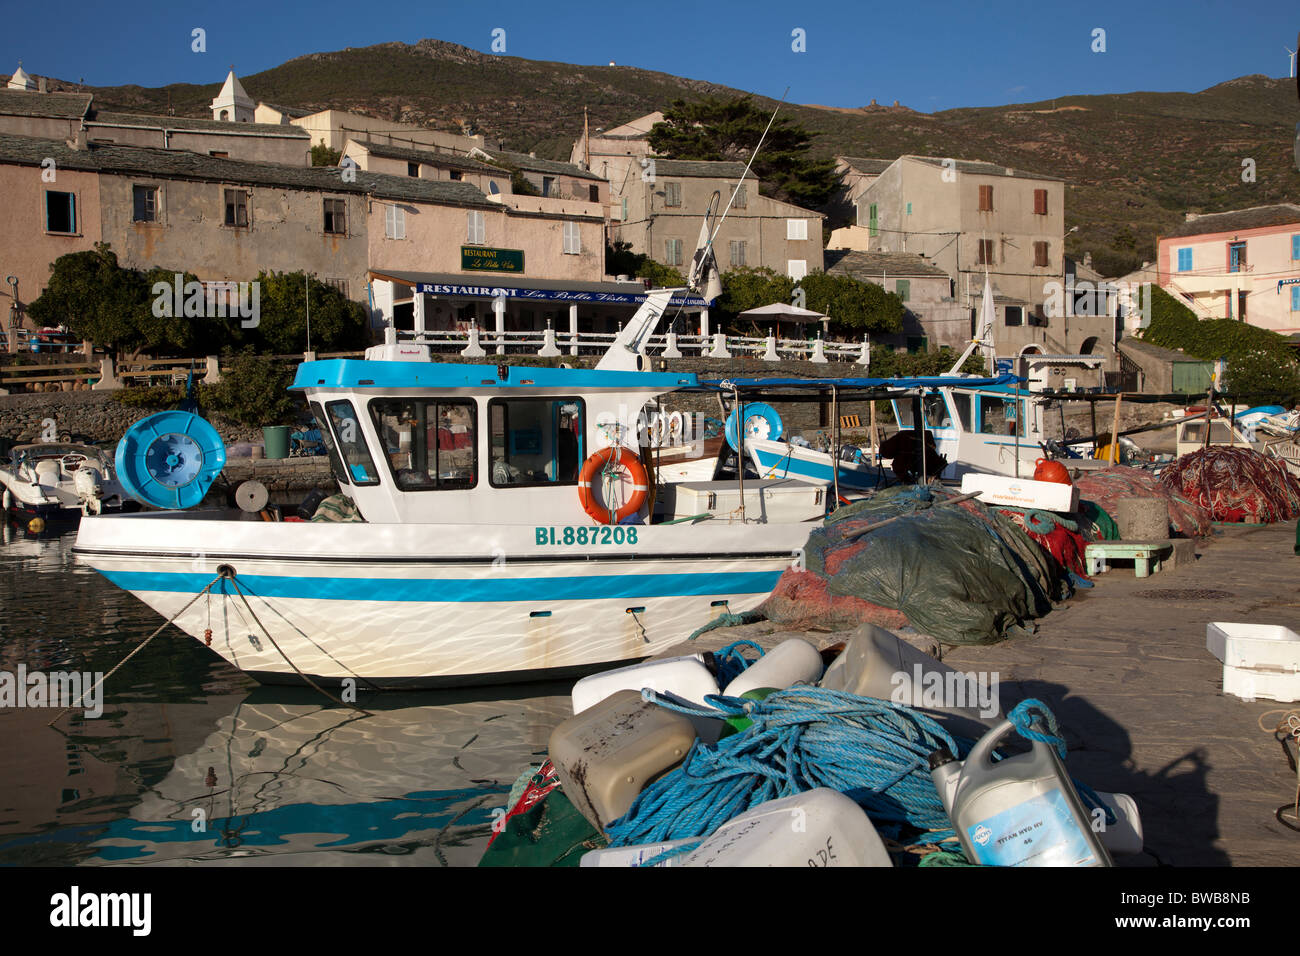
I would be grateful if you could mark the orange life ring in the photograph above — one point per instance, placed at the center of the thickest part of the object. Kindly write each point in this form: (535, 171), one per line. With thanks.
(592, 466)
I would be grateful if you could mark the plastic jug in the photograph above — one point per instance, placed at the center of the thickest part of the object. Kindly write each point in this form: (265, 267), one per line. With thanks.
(785, 665)
(1124, 836)
(1022, 810)
(816, 828)
(688, 677)
(876, 663)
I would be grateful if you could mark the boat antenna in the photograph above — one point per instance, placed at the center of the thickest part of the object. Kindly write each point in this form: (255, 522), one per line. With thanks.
(704, 269)
(752, 157)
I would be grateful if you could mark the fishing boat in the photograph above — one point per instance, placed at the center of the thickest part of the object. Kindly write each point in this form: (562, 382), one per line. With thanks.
(60, 481)
(977, 426)
(510, 527)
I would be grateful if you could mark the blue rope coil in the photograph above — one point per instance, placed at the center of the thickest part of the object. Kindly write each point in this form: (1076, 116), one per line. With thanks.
(731, 663)
(801, 738)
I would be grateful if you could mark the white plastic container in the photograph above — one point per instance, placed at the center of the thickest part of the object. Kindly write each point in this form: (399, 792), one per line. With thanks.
(1021, 811)
(769, 499)
(1021, 492)
(817, 828)
(785, 665)
(634, 855)
(1259, 660)
(687, 677)
(1124, 836)
(877, 663)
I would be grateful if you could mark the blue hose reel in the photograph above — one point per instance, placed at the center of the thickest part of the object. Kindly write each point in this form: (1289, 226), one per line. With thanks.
(169, 460)
(761, 422)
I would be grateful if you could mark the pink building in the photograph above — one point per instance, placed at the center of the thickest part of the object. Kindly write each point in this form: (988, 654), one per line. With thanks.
(1242, 265)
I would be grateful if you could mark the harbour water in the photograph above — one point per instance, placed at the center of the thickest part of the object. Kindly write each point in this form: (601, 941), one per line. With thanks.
(191, 762)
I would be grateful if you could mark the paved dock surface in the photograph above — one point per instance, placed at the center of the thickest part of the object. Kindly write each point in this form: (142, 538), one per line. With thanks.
(1125, 669)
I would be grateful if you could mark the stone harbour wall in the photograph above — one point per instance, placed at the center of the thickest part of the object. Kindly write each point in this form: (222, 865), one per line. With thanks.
(93, 415)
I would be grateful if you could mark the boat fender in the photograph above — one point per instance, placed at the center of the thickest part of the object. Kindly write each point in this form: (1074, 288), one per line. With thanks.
(593, 467)
(790, 662)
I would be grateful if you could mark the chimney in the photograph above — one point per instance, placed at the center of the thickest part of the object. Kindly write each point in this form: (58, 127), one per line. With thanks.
(872, 103)
(40, 85)
(78, 141)
(1087, 260)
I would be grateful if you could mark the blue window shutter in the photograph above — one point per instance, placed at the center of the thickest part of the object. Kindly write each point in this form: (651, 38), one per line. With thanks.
(1295, 247)
(1295, 298)
(1184, 260)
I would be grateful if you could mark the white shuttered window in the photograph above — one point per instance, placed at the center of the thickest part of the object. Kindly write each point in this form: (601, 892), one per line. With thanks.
(476, 234)
(572, 239)
(395, 222)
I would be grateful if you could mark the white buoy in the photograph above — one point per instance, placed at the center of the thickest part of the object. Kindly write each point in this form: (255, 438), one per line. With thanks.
(785, 665)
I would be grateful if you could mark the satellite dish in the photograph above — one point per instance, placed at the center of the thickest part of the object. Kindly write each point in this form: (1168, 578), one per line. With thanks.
(251, 496)
(169, 460)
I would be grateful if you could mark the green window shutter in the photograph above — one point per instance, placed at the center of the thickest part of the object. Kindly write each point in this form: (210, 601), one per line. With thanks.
(873, 221)
(904, 289)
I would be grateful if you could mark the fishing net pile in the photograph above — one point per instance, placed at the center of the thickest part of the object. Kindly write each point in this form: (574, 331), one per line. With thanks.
(1235, 484)
(1058, 534)
(961, 573)
(1107, 486)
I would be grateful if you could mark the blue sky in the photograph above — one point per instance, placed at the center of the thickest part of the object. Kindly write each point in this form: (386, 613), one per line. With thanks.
(929, 55)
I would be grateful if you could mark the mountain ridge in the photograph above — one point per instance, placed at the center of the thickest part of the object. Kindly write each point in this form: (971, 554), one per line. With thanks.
(1134, 162)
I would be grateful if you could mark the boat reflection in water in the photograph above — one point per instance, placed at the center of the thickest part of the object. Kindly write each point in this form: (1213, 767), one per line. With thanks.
(290, 779)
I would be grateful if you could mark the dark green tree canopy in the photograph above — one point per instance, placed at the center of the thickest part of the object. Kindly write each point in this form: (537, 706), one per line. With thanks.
(99, 300)
(729, 130)
(852, 305)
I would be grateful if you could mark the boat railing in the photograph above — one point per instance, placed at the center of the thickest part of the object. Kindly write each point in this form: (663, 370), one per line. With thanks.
(476, 342)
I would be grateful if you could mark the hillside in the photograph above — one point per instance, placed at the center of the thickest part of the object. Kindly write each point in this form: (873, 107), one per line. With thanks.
(1134, 162)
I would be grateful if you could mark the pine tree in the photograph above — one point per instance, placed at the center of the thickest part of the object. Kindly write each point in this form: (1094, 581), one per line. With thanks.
(729, 130)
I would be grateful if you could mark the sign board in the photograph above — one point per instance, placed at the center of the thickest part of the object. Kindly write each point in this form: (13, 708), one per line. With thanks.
(484, 259)
(555, 295)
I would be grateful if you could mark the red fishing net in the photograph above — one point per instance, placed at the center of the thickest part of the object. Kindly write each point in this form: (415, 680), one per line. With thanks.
(1235, 484)
(1062, 543)
(801, 599)
(1107, 486)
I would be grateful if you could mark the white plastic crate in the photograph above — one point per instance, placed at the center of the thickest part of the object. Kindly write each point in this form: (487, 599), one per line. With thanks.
(1021, 492)
(1259, 660)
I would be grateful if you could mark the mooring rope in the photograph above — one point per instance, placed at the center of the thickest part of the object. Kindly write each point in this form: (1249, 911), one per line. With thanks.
(138, 648)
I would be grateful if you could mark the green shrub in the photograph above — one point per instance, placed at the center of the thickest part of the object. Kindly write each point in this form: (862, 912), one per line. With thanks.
(253, 391)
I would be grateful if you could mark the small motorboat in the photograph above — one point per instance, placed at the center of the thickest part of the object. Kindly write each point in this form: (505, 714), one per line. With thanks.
(61, 481)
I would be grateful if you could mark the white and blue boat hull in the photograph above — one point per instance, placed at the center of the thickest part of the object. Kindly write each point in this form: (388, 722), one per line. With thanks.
(389, 608)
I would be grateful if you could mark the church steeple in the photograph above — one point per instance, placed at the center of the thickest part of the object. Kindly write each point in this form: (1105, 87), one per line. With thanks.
(21, 80)
(232, 104)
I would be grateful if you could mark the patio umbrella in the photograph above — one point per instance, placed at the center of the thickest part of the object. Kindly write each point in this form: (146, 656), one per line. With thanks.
(782, 310)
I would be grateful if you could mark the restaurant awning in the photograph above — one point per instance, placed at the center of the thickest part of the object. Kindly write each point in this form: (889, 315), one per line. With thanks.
(529, 288)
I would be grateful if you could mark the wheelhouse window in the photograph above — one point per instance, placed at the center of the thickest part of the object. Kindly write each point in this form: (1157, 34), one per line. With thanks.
(998, 416)
(336, 463)
(535, 441)
(429, 442)
(933, 409)
(351, 443)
